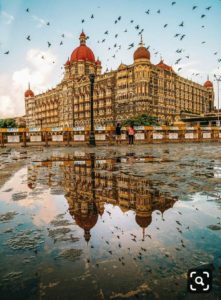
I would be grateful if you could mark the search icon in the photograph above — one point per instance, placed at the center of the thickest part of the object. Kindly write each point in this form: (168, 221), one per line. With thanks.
(199, 280)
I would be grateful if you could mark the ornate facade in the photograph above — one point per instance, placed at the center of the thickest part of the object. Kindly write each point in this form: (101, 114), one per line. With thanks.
(131, 90)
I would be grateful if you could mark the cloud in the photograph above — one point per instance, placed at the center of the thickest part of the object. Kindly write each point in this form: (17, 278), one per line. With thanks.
(8, 19)
(40, 22)
(38, 72)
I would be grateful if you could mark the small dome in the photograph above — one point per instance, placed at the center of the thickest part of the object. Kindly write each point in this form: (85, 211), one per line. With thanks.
(98, 62)
(164, 66)
(208, 84)
(82, 52)
(29, 92)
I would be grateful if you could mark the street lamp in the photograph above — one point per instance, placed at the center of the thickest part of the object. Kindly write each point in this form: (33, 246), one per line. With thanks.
(218, 79)
(92, 135)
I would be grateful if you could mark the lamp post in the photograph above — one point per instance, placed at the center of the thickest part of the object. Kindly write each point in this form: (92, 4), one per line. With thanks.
(92, 135)
(218, 79)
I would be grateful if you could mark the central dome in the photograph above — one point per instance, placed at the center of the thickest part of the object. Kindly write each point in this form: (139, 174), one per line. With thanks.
(82, 52)
(141, 52)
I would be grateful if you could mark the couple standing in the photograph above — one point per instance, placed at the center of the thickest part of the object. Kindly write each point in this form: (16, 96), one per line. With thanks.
(130, 133)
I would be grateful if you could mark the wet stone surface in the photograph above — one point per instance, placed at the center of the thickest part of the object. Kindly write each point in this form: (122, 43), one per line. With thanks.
(109, 223)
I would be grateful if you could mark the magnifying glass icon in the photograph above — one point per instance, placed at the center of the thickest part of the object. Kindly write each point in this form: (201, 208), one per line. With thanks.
(199, 280)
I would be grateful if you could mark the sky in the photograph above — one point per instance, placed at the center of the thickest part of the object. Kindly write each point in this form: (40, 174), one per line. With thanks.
(200, 47)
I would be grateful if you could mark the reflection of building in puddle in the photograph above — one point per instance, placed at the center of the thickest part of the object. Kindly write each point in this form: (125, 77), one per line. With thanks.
(90, 183)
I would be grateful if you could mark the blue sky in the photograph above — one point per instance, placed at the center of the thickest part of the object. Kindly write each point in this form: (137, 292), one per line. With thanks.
(24, 63)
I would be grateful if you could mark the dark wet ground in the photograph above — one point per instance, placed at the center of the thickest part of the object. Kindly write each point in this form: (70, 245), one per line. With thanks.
(109, 223)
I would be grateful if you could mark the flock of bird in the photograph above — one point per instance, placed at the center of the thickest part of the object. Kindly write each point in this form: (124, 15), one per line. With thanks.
(140, 250)
(116, 47)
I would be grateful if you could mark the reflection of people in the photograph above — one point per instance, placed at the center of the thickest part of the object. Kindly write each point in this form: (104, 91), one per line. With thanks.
(131, 133)
(118, 133)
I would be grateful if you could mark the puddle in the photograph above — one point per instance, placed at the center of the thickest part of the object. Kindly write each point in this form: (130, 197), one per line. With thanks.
(108, 223)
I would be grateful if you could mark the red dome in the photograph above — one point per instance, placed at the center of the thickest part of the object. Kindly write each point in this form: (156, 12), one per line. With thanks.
(82, 52)
(29, 93)
(86, 222)
(141, 52)
(164, 66)
(208, 84)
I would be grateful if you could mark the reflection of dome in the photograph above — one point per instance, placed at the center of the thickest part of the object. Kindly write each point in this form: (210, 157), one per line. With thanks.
(31, 185)
(82, 52)
(143, 221)
(86, 222)
(208, 84)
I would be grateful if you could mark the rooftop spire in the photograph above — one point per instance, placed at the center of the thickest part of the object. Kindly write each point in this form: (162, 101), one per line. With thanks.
(82, 38)
(141, 40)
(29, 86)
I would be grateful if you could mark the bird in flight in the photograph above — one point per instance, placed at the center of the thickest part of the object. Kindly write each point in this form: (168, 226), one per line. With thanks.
(92, 16)
(165, 25)
(28, 38)
(208, 8)
(173, 3)
(131, 46)
(27, 10)
(182, 37)
(181, 24)
(48, 23)
(7, 52)
(49, 45)
(158, 11)
(194, 7)
(82, 21)
(203, 16)
(147, 12)
(61, 43)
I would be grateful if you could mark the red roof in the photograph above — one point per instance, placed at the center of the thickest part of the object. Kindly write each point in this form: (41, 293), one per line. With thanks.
(164, 66)
(141, 52)
(82, 52)
(208, 84)
(98, 62)
(29, 93)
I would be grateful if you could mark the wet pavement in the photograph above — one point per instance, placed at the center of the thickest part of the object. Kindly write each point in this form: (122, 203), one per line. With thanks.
(109, 223)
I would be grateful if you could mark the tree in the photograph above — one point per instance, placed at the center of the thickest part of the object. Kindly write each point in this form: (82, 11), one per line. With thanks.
(7, 123)
(142, 120)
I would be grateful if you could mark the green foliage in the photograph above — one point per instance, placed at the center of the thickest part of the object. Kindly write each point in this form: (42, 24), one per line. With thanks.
(7, 123)
(142, 120)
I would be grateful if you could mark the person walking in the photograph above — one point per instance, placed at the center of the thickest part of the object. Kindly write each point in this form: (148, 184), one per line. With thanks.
(131, 133)
(118, 133)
